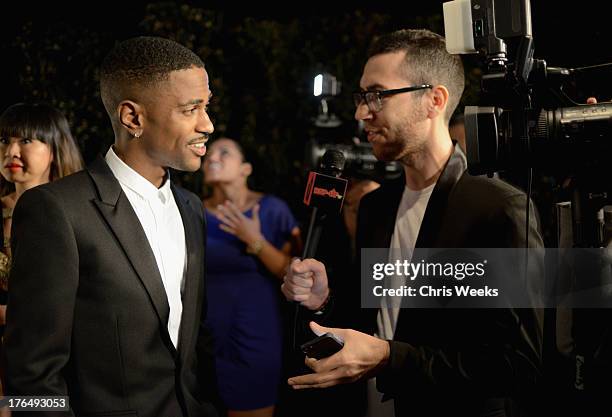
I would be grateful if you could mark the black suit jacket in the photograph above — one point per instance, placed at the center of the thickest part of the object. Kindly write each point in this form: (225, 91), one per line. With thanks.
(465, 361)
(87, 309)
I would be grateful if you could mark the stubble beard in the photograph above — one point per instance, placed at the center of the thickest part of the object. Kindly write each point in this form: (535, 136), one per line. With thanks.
(408, 148)
(412, 138)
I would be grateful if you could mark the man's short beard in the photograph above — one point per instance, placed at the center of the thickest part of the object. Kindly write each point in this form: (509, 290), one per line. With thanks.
(412, 158)
(412, 151)
(414, 144)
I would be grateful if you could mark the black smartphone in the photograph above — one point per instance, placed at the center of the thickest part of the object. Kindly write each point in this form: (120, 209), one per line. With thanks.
(322, 346)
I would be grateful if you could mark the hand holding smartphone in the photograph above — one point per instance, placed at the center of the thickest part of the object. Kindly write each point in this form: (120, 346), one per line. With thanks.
(322, 346)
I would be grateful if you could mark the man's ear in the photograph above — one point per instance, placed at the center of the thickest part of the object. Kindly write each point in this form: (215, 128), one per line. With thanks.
(438, 100)
(246, 169)
(131, 117)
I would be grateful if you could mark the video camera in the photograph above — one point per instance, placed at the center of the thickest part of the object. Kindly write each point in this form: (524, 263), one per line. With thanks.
(529, 121)
(360, 161)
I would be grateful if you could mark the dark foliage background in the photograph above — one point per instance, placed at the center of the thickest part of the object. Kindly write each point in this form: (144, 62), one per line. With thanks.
(261, 61)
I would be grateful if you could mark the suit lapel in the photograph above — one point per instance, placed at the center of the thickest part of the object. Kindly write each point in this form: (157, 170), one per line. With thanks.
(385, 219)
(194, 247)
(438, 202)
(429, 232)
(125, 225)
(378, 225)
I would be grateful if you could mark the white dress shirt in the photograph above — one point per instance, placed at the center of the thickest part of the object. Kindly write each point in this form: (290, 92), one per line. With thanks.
(162, 223)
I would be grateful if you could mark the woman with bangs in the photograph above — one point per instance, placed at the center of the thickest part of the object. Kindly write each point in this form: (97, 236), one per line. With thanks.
(36, 147)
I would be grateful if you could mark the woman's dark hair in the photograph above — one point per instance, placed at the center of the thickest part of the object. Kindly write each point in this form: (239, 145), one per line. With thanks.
(47, 124)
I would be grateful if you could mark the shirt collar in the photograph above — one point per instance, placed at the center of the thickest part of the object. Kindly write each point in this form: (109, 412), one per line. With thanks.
(134, 181)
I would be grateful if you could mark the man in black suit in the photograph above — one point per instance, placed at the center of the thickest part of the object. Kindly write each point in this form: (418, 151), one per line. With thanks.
(430, 362)
(107, 297)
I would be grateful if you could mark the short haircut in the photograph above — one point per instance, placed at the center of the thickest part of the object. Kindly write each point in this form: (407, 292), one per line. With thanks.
(141, 62)
(47, 124)
(427, 61)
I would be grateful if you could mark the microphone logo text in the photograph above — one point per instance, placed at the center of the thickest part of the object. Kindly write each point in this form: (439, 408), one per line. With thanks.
(327, 193)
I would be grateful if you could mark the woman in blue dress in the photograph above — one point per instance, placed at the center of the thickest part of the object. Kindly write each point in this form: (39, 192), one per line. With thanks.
(250, 240)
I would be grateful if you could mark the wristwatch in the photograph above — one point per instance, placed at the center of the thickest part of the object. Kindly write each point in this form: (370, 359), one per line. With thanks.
(255, 247)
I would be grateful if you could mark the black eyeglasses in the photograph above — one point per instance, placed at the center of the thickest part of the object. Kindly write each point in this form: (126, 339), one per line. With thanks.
(374, 98)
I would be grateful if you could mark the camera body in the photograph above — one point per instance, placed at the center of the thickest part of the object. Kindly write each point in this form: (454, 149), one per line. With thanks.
(360, 161)
(527, 120)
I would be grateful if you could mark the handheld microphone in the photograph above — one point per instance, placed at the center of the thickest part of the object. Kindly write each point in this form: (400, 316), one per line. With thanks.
(325, 192)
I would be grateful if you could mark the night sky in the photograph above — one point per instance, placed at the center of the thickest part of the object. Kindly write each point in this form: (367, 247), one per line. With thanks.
(564, 36)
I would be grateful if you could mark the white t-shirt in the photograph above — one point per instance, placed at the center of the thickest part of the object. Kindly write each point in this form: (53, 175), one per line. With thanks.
(407, 225)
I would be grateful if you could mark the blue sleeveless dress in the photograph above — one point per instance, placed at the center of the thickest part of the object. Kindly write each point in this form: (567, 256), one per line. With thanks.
(243, 310)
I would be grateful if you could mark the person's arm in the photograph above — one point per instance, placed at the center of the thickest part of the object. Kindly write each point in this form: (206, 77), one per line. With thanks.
(43, 286)
(248, 230)
(496, 363)
(503, 355)
(275, 260)
(506, 353)
(306, 283)
(362, 356)
(491, 364)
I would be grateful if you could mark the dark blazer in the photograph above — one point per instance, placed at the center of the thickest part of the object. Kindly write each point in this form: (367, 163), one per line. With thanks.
(464, 361)
(88, 311)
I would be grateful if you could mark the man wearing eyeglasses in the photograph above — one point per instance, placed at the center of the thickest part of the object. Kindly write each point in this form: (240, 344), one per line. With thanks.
(438, 362)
